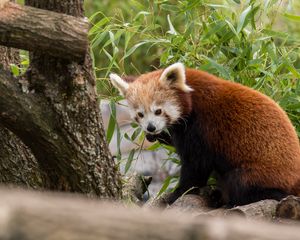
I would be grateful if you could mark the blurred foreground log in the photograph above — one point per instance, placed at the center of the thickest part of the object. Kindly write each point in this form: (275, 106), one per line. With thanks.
(28, 28)
(35, 216)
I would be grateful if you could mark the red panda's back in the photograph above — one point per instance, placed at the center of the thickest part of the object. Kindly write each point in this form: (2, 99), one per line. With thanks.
(248, 128)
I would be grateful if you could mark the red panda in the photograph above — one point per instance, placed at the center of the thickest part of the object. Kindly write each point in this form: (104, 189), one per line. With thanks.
(217, 125)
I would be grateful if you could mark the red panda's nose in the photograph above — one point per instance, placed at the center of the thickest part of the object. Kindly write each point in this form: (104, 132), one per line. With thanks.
(151, 127)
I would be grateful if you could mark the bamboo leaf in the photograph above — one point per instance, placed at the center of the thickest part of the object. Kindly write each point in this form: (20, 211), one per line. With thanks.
(98, 25)
(171, 27)
(154, 146)
(129, 160)
(131, 50)
(112, 122)
(165, 185)
(135, 133)
(243, 19)
(292, 17)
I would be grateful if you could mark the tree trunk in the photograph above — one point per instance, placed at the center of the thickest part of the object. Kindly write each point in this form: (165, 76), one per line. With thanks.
(59, 118)
(17, 164)
(70, 91)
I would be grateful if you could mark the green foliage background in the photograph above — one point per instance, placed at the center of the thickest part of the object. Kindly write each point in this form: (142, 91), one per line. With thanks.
(256, 43)
(252, 42)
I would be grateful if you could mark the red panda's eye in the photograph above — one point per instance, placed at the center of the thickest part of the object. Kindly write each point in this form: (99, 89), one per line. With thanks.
(157, 112)
(141, 115)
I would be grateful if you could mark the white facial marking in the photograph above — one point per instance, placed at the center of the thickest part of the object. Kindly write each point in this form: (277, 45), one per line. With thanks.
(172, 110)
(158, 121)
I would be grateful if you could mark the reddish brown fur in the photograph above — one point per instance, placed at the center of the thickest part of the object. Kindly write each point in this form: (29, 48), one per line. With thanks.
(246, 127)
(260, 136)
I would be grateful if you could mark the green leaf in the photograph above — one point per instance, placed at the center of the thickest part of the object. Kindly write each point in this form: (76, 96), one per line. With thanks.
(224, 73)
(293, 70)
(292, 17)
(134, 125)
(15, 70)
(137, 4)
(119, 155)
(218, 6)
(252, 15)
(98, 39)
(129, 160)
(141, 13)
(273, 33)
(135, 133)
(154, 146)
(214, 28)
(295, 106)
(112, 122)
(229, 24)
(211, 181)
(165, 185)
(99, 24)
(175, 160)
(169, 148)
(243, 19)
(172, 30)
(131, 50)
(126, 136)
(169, 7)
(141, 137)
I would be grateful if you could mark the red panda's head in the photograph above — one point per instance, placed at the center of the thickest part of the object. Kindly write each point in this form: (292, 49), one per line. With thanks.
(157, 99)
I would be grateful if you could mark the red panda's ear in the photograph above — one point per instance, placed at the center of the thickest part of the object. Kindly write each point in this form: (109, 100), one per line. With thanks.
(119, 83)
(175, 75)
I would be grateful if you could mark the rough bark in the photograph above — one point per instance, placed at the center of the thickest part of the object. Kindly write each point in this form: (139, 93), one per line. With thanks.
(8, 56)
(44, 216)
(59, 118)
(66, 92)
(29, 116)
(17, 164)
(28, 28)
